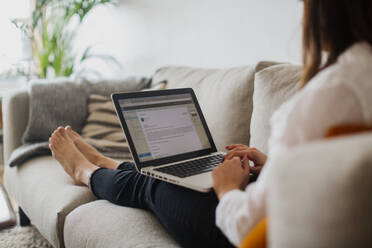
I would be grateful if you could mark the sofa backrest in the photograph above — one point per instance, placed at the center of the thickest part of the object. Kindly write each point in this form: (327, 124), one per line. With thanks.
(225, 97)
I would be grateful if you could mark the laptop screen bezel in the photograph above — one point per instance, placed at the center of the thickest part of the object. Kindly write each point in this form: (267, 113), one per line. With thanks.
(116, 97)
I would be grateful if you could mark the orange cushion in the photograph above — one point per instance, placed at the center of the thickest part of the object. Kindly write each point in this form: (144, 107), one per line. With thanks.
(257, 237)
(347, 130)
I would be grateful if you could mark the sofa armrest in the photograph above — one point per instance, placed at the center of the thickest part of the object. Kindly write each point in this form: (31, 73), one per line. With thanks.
(15, 118)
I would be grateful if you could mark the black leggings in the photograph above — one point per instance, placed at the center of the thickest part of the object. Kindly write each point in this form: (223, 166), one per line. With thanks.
(188, 215)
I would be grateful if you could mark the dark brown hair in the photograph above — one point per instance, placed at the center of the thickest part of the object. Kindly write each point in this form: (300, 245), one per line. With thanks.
(332, 26)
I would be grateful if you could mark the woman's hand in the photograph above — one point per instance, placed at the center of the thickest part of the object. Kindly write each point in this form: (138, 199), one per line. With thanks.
(256, 156)
(231, 174)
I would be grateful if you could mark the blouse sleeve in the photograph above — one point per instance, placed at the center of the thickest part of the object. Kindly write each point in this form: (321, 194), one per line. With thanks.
(313, 112)
(239, 211)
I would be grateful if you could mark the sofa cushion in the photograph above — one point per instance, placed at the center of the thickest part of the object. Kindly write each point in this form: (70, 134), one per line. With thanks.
(103, 224)
(46, 194)
(60, 102)
(102, 127)
(320, 195)
(272, 87)
(225, 97)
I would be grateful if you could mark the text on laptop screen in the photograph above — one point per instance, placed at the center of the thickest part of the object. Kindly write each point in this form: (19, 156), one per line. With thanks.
(163, 126)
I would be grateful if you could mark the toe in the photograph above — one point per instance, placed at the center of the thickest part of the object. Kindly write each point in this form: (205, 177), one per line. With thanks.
(52, 147)
(63, 133)
(71, 132)
(60, 129)
(56, 138)
(53, 140)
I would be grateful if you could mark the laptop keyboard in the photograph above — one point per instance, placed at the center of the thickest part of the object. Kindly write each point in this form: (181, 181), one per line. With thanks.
(193, 167)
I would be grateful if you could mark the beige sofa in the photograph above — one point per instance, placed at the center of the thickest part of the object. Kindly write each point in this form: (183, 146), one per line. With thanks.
(304, 207)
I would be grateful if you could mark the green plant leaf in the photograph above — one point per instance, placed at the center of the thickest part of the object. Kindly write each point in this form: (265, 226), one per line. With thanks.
(86, 53)
(52, 39)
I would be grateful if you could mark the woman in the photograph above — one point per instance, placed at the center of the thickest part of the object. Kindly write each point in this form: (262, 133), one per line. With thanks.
(336, 92)
(333, 93)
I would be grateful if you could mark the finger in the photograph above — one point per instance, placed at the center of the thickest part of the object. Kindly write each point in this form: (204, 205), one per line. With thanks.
(251, 152)
(235, 160)
(240, 154)
(234, 150)
(243, 161)
(230, 154)
(239, 148)
(256, 170)
(213, 173)
(230, 147)
(216, 171)
(246, 166)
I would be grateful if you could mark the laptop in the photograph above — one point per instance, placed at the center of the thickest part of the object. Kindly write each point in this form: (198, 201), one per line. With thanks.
(168, 136)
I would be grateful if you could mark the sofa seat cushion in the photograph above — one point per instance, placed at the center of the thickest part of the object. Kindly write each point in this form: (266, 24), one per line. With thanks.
(103, 224)
(320, 195)
(46, 194)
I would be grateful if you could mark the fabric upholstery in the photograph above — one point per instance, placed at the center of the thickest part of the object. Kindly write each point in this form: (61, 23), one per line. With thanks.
(102, 127)
(60, 102)
(225, 97)
(320, 195)
(272, 87)
(257, 238)
(117, 226)
(15, 115)
(46, 194)
(347, 130)
(52, 104)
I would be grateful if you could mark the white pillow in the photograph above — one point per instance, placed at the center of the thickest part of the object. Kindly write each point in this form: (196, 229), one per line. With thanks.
(272, 87)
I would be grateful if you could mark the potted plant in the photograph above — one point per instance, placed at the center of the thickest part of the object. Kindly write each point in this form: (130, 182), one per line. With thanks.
(52, 30)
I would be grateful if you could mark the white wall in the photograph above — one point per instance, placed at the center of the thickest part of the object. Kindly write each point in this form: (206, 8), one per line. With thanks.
(11, 51)
(147, 34)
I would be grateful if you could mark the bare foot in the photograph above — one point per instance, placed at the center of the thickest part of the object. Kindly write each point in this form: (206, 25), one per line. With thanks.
(94, 156)
(71, 159)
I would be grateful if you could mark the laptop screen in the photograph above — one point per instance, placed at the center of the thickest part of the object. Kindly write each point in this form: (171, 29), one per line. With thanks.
(164, 126)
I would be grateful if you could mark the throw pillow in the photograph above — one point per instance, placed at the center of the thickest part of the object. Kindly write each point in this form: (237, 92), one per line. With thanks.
(63, 102)
(257, 238)
(102, 127)
(272, 87)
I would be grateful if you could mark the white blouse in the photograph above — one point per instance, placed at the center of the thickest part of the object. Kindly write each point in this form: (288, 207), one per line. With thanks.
(340, 94)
